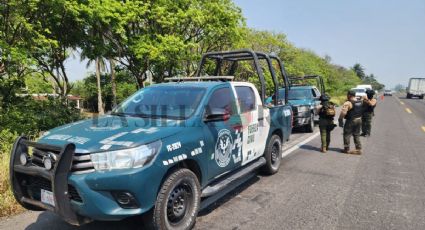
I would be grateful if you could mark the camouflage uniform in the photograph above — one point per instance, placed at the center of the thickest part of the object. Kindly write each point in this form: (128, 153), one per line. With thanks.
(367, 117)
(326, 125)
(352, 128)
(352, 111)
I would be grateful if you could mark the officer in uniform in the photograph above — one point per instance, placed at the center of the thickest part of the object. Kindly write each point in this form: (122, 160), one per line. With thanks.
(352, 112)
(326, 111)
(369, 104)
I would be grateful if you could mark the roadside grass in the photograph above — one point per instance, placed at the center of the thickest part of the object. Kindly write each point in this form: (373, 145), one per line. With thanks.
(8, 204)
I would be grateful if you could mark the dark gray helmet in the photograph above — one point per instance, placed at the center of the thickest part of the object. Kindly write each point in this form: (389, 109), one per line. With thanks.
(370, 93)
(324, 97)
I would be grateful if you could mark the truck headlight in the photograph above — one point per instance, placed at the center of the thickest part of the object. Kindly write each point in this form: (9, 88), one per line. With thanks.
(302, 109)
(126, 158)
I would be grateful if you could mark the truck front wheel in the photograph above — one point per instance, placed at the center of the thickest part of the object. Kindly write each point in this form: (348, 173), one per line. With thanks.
(178, 201)
(273, 155)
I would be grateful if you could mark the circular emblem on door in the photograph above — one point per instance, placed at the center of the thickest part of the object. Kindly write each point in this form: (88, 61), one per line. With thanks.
(223, 148)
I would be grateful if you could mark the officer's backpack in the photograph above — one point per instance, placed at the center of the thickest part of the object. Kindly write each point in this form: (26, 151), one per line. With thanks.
(329, 110)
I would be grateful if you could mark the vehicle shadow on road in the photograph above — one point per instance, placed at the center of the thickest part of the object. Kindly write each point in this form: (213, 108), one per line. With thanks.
(223, 199)
(298, 130)
(317, 149)
(48, 220)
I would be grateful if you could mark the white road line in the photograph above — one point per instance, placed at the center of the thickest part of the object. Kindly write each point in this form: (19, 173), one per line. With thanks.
(297, 146)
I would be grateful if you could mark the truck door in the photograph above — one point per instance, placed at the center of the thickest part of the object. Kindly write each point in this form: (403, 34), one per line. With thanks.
(316, 102)
(222, 137)
(255, 123)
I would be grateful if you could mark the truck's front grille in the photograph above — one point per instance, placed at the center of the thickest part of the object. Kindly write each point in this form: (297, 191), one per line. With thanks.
(35, 184)
(73, 194)
(80, 164)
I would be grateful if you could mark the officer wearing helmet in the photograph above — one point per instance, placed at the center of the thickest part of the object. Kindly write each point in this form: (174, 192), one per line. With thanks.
(352, 112)
(326, 111)
(368, 114)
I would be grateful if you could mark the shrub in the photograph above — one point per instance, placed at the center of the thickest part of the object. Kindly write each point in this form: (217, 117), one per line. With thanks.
(30, 117)
(8, 205)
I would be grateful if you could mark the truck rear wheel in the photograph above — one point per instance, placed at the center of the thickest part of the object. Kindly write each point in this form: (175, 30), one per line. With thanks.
(178, 201)
(310, 126)
(421, 97)
(273, 155)
(409, 96)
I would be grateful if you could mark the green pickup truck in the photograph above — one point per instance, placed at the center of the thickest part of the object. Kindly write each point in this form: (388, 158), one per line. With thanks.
(164, 150)
(304, 98)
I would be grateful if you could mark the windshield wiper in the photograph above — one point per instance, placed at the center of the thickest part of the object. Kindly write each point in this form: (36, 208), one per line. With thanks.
(157, 116)
(153, 116)
(120, 114)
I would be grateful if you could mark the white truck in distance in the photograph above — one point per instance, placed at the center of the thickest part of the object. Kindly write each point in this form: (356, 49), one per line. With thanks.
(361, 90)
(416, 88)
(364, 87)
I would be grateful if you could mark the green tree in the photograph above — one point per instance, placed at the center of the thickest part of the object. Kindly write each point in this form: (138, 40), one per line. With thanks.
(299, 62)
(16, 33)
(359, 70)
(87, 89)
(167, 37)
(370, 79)
(37, 83)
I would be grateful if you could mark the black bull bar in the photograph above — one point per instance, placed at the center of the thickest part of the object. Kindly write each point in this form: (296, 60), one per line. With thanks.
(57, 176)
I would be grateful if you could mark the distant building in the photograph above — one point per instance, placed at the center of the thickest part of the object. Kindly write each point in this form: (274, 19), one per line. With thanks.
(44, 96)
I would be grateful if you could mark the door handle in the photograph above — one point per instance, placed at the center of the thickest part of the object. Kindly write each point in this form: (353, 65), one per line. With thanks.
(261, 119)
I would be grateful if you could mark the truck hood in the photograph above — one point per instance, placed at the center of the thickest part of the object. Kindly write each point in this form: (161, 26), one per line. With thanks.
(111, 133)
(300, 102)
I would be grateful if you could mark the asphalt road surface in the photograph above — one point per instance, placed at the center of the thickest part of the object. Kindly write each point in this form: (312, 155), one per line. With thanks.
(381, 189)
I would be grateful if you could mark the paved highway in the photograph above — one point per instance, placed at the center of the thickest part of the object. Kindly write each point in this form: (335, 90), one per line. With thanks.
(381, 189)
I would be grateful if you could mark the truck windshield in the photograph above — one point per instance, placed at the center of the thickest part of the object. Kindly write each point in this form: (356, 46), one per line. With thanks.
(162, 102)
(296, 94)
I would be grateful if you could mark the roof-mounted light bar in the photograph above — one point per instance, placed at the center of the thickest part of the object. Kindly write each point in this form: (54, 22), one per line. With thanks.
(203, 78)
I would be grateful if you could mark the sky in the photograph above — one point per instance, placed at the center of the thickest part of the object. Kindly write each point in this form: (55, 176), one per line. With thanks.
(387, 37)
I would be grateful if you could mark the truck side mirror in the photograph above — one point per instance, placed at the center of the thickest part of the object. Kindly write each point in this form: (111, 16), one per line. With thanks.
(216, 114)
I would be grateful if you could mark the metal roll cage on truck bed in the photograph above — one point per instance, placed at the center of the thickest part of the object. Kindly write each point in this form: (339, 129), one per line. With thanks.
(248, 55)
(319, 80)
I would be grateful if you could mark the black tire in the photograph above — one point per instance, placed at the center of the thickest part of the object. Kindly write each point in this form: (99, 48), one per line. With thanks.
(421, 97)
(309, 128)
(178, 201)
(409, 96)
(273, 155)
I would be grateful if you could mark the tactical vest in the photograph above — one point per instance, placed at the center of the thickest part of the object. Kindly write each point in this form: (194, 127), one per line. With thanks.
(356, 111)
(324, 113)
(369, 109)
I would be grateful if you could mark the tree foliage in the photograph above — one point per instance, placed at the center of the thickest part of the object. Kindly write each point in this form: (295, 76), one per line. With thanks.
(359, 70)
(87, 88)
(300, 62)
(140, 38)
